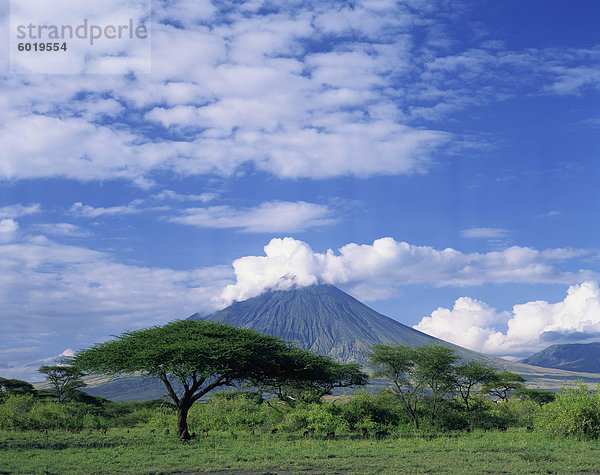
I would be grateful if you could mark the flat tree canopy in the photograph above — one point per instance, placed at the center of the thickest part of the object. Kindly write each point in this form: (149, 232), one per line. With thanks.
(201, 355)
(64, 379)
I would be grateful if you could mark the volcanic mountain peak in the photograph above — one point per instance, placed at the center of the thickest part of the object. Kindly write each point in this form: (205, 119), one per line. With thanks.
(321, 318)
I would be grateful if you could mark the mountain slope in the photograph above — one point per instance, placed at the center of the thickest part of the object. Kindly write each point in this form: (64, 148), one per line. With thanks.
(321, 318)
(571, 357)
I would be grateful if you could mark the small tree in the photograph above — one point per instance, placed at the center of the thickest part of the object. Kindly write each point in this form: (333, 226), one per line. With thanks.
(470, 376)
(65, 381)
(201, 356)
(435, 369)
(397, 362)
(502, 384)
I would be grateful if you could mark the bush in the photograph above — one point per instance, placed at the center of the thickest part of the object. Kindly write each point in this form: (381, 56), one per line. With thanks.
(575, 412)
(14, 412)
(451, 415)
(229, 410)
(163, 418)
(373, 411)
(323, 417)
(27, 413)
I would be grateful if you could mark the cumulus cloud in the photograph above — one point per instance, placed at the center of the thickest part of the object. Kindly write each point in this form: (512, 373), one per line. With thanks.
(245, 87)
(370, 269)
(272, 216)
(530, 327)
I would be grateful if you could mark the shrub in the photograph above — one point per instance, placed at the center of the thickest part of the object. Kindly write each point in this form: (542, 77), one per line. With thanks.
(14, 412)
(373, 411)
(163, 418)
(452, 415)
(574, 412)
(229, 410)
(25, 413)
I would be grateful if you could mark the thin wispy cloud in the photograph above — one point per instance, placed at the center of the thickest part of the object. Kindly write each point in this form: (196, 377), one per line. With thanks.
(172, 195)
(86, 211)
(269, 217)
(17, 210)
(61, 229)
(485, 233)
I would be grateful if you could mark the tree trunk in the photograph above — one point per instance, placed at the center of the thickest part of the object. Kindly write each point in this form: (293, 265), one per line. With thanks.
(415, 419)
(182, 412)
(433, 411)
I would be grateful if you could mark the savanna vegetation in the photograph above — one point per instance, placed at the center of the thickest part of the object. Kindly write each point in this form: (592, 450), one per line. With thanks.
(427, 402)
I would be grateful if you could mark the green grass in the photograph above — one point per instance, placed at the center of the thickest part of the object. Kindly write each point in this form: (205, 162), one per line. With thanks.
(142, 452)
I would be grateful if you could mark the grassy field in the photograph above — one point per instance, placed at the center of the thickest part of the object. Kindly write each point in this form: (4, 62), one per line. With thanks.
(140, 451)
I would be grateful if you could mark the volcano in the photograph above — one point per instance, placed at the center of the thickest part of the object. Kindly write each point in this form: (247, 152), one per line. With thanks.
(326, 320)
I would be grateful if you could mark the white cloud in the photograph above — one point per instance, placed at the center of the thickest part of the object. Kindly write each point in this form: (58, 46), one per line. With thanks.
(172, 195)
(530, 327)
(272, 216)
(15, 211)
(485, 233)
(121, 54)
(61, 229)
(86, 211)
(387, 264)
(8, 229)
(68, 352)
(40, 146)
(470, 323)
(243, 88)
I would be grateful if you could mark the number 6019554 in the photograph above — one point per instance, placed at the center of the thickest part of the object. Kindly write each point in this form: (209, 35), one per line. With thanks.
(42, 46)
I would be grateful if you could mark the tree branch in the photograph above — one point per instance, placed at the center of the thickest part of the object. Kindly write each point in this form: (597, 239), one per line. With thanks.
(170, 390)
(220, 381)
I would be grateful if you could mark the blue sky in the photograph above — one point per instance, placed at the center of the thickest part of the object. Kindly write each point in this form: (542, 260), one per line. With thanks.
(438, 160)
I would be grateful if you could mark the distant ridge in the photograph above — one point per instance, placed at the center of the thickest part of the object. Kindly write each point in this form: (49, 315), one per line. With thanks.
(571, 357)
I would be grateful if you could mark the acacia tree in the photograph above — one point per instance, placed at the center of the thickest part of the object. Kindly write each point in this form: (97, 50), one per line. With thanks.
(471, 375)
(504, 383)
(436, 370)
(415, 370)
(199, 355)
(397, 362)
(64, 379)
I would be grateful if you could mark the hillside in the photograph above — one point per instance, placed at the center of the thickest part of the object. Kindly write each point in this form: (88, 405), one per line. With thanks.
(572, 357)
